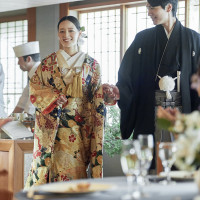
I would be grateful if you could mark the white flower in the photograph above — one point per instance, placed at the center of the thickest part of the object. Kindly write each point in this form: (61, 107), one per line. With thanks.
(167, 84)
(188, 145)
(178, 126)
(193, 120)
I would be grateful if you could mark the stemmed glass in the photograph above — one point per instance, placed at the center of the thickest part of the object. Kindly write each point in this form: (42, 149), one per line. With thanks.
(145, 155)
(130, 165)
(167, 155)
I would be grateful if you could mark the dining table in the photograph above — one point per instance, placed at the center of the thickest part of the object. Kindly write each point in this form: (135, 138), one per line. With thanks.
(116, 188)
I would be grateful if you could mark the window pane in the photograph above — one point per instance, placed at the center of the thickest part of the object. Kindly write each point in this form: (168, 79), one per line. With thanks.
(103, 43)
(138, 19)
(12, 34)
(194, 15)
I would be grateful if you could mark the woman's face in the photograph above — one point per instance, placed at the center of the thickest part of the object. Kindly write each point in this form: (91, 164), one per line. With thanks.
(68, 34)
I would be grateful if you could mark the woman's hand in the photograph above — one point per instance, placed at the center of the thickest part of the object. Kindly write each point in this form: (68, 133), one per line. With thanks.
(61, 100)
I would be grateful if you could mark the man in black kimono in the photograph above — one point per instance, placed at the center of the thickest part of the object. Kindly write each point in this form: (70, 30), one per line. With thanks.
(163, 50)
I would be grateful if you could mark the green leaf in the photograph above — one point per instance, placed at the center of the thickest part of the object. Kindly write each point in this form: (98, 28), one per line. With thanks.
(112, 137)
(82, 28)
(163, 123)
(47, 155)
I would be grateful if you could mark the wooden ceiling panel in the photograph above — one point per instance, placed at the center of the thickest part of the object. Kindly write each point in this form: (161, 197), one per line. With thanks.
(11, 5)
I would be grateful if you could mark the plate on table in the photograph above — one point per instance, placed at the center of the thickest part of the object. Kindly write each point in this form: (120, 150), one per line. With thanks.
(74, 188)
(179, 175)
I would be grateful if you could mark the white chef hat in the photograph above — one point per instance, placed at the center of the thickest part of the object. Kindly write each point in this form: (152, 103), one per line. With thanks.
(27, 49)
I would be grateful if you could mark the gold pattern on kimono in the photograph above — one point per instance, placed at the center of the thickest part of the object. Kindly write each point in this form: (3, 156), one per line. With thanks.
(68, 139)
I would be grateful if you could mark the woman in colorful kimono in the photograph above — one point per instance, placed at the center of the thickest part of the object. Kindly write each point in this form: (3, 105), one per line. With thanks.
(67, 93)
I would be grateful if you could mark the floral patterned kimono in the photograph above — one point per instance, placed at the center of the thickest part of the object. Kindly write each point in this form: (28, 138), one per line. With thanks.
(69, 137)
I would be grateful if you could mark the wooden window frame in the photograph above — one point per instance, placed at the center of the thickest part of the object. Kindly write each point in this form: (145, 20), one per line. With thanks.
(122, 4)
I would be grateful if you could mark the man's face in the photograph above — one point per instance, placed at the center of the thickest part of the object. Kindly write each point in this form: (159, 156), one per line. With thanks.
(157, 14)
(23, 64)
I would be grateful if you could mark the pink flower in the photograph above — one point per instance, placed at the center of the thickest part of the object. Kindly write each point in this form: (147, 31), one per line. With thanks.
(94, 153)
(72, 138)
(64, 178)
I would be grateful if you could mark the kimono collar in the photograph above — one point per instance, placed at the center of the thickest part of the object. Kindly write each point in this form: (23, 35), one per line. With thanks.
(71, 68)
(73, 61)
(169, 34)
(33, 69)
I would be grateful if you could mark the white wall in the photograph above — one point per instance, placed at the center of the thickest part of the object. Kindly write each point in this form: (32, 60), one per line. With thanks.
(47, 18)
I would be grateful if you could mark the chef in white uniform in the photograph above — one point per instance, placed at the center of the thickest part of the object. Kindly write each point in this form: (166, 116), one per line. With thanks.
(2, 105)
(28, 59)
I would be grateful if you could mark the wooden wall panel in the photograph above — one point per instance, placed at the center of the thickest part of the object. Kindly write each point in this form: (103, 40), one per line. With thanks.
(12, 159)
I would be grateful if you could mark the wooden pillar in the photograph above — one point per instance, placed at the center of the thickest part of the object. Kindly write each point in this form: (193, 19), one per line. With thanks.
(64, 11)
(122, 32)
(31, 17)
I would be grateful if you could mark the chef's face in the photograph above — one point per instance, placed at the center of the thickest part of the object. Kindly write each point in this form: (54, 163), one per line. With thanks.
(23, 64)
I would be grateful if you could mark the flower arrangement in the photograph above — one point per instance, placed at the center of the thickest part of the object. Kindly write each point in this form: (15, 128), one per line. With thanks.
(186, 122)
(188, 150)
(187, 130)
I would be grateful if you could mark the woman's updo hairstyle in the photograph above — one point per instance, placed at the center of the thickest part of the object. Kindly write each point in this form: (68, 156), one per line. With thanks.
(72, 19)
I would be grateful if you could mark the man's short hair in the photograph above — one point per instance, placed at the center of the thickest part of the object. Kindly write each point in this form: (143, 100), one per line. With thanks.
(163, 3)
(35, 57)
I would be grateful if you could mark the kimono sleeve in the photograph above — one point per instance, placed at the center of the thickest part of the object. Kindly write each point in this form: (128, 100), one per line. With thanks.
(128, 84)
(43, 96)
(98, 126)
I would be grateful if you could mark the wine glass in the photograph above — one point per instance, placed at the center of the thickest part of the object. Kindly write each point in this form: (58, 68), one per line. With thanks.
(130, 165)
(145, 155)
(167, 155)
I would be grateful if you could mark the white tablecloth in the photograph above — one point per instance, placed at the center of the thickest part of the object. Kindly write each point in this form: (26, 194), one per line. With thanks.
(155, 191)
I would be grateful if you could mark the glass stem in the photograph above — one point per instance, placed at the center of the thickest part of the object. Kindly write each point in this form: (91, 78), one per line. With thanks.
(129, 182)
(167, 170)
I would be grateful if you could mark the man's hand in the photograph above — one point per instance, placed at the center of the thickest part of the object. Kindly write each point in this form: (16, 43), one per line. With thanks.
(4, 121)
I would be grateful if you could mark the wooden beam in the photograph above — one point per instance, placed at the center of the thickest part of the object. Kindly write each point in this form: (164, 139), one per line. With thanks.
(31, 17)
(13, 18)
(89, 4)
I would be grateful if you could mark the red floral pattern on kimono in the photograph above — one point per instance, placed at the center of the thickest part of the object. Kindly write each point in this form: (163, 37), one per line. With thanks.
(66, 139)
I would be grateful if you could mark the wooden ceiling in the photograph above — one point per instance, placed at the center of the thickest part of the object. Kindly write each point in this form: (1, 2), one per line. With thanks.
(11, 5)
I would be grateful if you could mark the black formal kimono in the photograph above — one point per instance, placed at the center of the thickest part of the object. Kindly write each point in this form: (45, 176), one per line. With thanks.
(137, 73)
